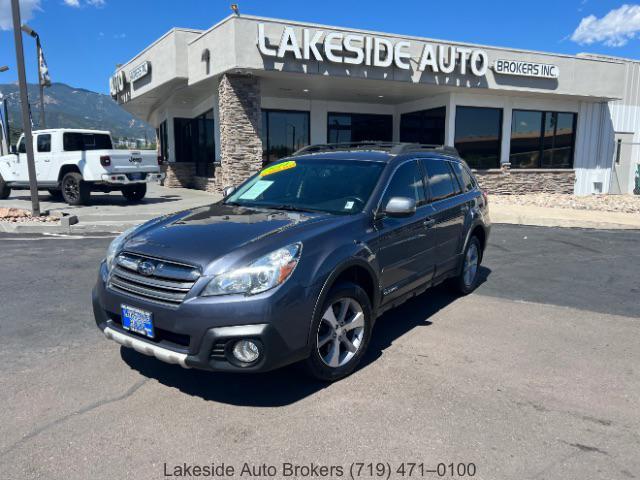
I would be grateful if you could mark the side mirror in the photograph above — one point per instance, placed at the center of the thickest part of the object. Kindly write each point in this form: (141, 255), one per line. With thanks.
(13, 149)
(228, 191)
(399, 207)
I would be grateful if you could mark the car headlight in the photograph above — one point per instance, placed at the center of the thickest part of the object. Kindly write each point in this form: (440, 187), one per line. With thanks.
(265, 273)
(116, 245)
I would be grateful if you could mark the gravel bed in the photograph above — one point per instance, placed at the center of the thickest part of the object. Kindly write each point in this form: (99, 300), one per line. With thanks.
(602, 203)
(18, 215)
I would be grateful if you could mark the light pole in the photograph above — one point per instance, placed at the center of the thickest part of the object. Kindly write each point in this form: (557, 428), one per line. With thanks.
(41, 82)
(6, 140)
(24, 100)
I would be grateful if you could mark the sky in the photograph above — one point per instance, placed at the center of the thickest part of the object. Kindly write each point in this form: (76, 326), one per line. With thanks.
(83, 40)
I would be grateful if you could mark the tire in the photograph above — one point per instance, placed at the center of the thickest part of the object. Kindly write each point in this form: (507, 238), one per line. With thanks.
(75, 191)
(5, 190)
(55, 194)
(467, 280)
(354, 328)
(135, 193)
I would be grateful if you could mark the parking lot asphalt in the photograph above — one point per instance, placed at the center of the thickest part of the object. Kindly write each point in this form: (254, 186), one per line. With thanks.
(535, 375)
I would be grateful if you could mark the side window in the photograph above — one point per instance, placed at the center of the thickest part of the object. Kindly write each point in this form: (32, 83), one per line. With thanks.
(22, 148)
(406, 182)
(441, 182)
(44, 143)
(464, 176)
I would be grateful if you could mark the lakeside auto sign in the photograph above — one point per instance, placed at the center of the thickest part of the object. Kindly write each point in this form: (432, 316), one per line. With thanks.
(118, 82)
(526, 69)
(359, 49)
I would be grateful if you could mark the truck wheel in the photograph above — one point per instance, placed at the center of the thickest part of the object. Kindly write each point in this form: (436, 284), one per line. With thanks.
(55, 194)
(5, 190)
(340, 333)
(75, 191)
(135, 193)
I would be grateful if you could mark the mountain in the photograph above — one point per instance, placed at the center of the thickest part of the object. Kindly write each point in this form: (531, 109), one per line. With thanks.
(69, 107)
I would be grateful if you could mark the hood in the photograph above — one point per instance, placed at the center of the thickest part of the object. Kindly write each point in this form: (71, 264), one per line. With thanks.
(204, 234)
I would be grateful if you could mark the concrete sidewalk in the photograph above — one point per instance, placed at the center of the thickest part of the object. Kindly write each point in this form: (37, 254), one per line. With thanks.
(562, 217)
(108, 212)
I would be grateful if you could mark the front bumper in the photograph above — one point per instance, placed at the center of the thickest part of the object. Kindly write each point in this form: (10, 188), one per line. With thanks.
(201, 332)
(125, 179)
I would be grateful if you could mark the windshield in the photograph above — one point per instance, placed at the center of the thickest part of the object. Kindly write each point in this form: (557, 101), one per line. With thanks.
(340, 187)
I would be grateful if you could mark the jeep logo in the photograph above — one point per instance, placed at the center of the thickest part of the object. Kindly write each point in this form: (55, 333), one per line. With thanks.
(135, 159)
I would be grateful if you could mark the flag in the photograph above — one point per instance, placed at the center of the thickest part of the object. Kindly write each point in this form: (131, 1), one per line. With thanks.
(45, 80)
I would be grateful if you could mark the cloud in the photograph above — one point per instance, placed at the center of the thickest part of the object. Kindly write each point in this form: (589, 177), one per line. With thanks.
(91, 3)
(27, 9)
(615, 29)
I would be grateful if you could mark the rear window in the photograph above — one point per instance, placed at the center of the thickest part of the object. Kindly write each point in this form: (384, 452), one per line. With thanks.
(441, 183)
(76, 141)
(464, 176)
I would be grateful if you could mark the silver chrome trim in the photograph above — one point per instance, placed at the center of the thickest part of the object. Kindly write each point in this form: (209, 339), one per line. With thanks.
(162, 354)
(117, 178)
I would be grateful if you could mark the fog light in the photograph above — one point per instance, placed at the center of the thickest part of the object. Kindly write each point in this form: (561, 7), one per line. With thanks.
(246, 351)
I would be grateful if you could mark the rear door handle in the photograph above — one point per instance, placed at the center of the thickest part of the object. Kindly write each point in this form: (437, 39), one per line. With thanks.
(428, 223)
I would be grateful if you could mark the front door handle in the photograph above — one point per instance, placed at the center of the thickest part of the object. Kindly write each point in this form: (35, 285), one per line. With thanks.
(429, 222)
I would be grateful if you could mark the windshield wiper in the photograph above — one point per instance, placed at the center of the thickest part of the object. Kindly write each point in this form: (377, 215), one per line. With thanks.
(291, 208)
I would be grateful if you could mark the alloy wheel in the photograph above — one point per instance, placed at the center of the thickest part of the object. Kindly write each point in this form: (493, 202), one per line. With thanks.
(71, 189)
(470, 265)
(341, 332)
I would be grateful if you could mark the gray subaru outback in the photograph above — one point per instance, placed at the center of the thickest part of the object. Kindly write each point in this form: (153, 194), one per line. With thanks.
(296, 263)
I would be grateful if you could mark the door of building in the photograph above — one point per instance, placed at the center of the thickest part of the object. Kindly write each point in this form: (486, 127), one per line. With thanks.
(623, 175)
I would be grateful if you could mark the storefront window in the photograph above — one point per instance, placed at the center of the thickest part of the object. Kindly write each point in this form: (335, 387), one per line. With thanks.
(425, 126)
(478, 136)
(163, 143)
(542, 139)
(283, 133)
(195, 142)
(359, 127)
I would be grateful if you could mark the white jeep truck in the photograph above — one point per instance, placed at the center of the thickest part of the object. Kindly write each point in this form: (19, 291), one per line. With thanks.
(71, 163)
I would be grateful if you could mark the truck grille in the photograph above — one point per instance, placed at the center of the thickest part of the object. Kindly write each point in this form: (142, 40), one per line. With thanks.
(152, 279)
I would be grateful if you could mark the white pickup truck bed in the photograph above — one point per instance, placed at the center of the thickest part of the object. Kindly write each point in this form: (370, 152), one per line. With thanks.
(71, 163)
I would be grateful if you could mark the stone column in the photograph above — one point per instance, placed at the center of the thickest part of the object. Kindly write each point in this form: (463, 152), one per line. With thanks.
(240, 118)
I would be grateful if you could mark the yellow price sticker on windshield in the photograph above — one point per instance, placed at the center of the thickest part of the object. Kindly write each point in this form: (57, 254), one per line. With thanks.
(278, 168)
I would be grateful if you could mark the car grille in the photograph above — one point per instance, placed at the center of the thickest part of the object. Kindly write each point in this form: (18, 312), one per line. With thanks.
(152, 279)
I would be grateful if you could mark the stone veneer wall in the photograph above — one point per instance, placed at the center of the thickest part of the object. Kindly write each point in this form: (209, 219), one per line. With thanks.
(179, 174)
(240, 117)
(516, 182)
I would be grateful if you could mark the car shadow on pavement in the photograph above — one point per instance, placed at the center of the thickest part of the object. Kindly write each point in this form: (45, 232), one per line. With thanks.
(290, 384)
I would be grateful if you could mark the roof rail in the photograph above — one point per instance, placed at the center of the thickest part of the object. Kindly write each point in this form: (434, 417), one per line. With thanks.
(393, 148)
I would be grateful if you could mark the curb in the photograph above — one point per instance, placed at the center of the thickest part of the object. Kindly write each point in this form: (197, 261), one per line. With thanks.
(516, 219)
(63, 226)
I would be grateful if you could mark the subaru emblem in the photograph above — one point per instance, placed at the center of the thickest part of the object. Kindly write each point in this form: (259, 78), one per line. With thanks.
(146, 268)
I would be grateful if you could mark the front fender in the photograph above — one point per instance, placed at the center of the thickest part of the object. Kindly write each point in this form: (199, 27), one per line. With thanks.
(337, 263)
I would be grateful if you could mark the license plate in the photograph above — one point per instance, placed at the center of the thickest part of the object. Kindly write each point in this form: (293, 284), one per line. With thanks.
(137, 176)
(138, 321)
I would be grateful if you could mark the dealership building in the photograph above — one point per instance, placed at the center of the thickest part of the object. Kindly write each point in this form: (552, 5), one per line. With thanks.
(251, 90)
